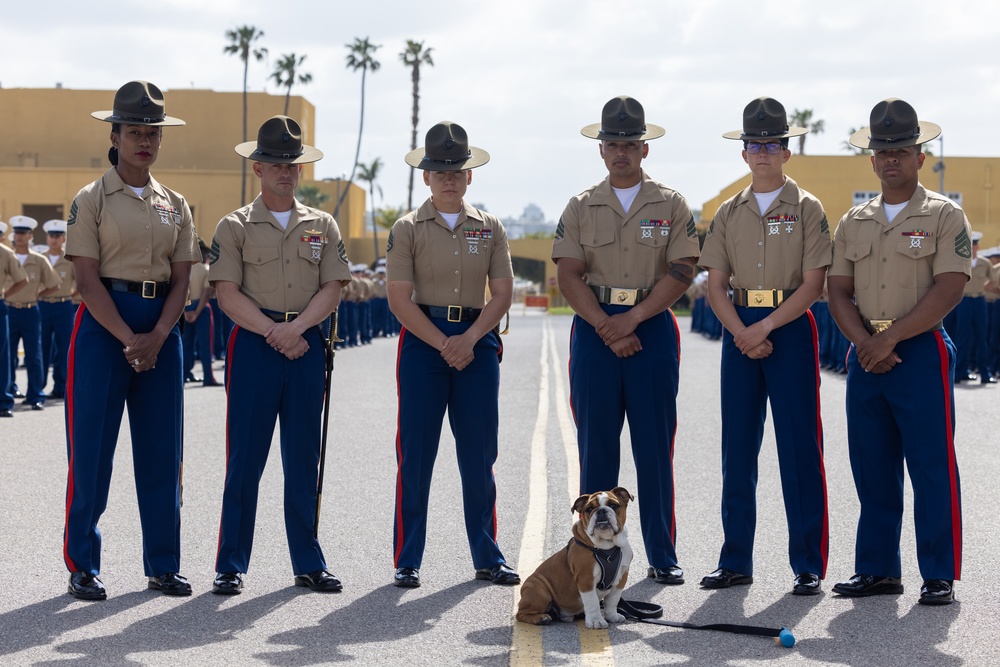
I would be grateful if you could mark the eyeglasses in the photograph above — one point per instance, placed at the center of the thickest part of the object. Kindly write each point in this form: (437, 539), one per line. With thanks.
(771, 147)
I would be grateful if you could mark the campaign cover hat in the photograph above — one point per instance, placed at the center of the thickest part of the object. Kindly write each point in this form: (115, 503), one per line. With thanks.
(446, 148)
(138, 103)
(623, 119)
(765, 118)
(894, 124)
(279, 140)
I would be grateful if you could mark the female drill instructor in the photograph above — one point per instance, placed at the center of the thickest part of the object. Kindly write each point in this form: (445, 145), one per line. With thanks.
(439, 261)
(132, 244)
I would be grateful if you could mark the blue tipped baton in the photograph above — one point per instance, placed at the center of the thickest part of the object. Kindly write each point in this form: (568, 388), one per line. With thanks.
(646, 612)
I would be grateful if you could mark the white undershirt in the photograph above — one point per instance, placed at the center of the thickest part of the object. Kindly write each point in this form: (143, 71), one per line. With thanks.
(892, 210)
(137, 191)
(21, 258)
(450, 218)
(282, 217)
(54, 259)
(765, 199)
(627, 195)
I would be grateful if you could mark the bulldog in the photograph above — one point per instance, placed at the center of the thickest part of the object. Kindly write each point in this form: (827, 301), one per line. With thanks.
(593, 567)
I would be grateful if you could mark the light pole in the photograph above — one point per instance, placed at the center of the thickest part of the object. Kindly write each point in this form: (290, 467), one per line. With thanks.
(939, 166)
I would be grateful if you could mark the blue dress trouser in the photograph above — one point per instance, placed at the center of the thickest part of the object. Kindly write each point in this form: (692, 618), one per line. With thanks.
(25, 325)
(6, 397)
(57, 327)
(789, 379)
(971, 340)
(993, 334)
(202, 333)
(427, 387)
(264, 386)
(907, 414)
(100, 385)
(604, 389)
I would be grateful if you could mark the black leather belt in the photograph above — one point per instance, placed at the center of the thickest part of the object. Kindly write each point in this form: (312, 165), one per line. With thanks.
(277, 316)
(760, 298)
(619, 296)
(147, 289)
(451, 313)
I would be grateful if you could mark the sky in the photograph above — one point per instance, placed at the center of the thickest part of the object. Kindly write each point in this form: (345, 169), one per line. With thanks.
(523, 76)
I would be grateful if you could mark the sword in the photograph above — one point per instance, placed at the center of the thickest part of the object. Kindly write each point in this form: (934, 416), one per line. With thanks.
(331, 338)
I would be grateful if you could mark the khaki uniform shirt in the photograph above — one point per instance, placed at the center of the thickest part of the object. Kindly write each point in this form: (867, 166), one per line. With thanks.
(10, 271)
(626, 250)
(448, 267)
(41, 276)
(980, 275)
(379, 290)
(362, 289)
(199, 281)
(278, 269)
(773, 250)
(894, 264)
(134, 238)
(995, 282)
(67, 278)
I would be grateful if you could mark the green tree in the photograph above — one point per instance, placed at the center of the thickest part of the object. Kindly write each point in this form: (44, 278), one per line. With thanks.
(386, 216)
(360, 56)
(413, 56)
(311, 195)
(803, 118)
(369, 174)
(241, 42)
(286, 73)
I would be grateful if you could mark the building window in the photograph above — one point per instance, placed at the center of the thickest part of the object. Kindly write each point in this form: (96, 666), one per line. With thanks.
(864, 196)
(955, 197)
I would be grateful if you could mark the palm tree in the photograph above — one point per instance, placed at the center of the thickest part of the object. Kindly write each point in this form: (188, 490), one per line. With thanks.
(369, 174)
(360, 56)
(413, 56)
(241, 42)
(848, 146)
(387, 216)
(286, 73)
(803, 118)
(311, 196)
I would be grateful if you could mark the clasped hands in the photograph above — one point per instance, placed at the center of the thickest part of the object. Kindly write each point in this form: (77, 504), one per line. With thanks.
(618, 333)
(284, 338)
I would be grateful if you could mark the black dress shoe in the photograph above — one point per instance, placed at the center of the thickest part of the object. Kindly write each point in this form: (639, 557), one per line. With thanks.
(723, 578)
(671, 576)
(863, 585)
(406, 577)
(170, 583)
(320, 581)
(806, 583)
(937, 591)
(85, 586)
(988, 379)
(57, 394)
(18, 393)
(227, 583)
(211, 383)
(34, 406)
(499, 574)
(6, 413)
(191, 378)
(966, 377)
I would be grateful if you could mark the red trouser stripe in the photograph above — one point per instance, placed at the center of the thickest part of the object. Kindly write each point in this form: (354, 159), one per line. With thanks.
(69, 433)
(825, 543)
(947, 382)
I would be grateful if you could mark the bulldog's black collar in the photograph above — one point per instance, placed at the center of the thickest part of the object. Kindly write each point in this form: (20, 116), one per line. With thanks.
(609, 560)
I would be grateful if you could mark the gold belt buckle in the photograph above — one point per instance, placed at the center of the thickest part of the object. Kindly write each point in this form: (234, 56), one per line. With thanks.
(623, 297)
(878, 326)
(457, 316)
(289, 316)
(148, 289)
(760, 298)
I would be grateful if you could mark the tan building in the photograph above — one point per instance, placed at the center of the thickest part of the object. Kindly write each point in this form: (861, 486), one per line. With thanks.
(50, 147)
(842, 181)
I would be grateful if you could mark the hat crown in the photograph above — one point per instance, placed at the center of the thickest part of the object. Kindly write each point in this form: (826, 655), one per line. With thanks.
(893, 120)
(280, 137)
(624, 117)
(446, 142)
(140, 102)
(55, 226)
(22, 222)
(764, 117)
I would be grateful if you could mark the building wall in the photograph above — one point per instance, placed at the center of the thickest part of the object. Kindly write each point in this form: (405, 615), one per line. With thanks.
(834, 179)
(50, 147)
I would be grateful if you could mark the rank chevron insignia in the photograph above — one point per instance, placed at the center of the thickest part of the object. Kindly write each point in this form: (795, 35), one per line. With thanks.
(963, 246)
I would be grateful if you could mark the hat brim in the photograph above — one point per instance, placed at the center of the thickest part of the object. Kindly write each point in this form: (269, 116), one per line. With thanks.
(110, 117)
(593, 131)
(928, 132)
(741, 136)
(477, 158)
(249, 151)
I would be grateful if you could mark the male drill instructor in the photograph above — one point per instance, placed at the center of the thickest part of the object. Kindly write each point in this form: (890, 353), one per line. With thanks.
(277, 267)
(900, 264)
(625, 250)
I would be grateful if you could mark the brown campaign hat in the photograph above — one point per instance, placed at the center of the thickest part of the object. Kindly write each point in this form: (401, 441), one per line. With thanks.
(765, 118)
(138, 103)
(894, 124)
(446, 148)
(279, 140)
(623, 119)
